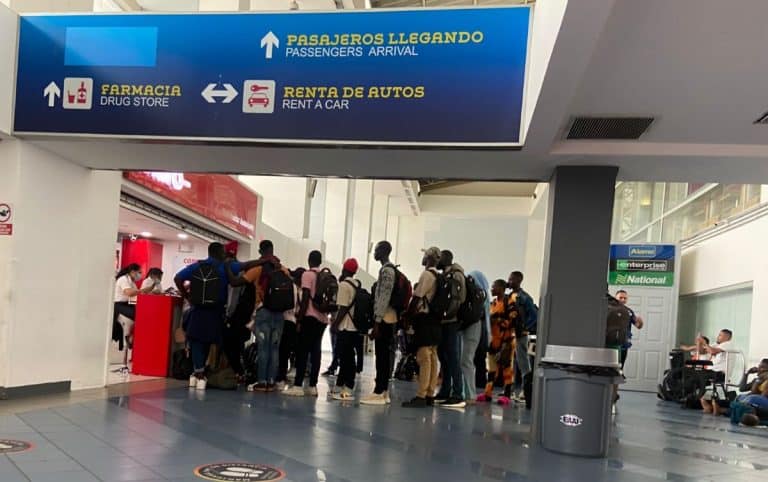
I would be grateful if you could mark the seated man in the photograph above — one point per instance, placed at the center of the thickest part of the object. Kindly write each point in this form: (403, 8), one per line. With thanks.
(755, 391)
(697, 350)
(720, 365)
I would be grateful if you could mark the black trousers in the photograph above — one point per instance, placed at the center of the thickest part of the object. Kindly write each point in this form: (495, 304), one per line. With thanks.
(233, 342)
(360, 352)
(287, 349)
(384, 357)
(346, 342)
(309, 350)
(481, 372)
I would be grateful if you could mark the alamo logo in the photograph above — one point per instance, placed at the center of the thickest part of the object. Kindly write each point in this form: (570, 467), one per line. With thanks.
(642, 251)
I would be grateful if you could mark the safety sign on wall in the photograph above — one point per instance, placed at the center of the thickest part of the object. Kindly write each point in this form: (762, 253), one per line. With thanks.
(6, 218)
(424, 77)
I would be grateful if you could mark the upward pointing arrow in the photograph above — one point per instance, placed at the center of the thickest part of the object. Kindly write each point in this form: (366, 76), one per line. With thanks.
(52, 91)
(269, 41)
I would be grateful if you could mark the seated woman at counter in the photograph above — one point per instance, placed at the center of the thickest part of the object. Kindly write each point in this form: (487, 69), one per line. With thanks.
(153, 282)
(125, 289)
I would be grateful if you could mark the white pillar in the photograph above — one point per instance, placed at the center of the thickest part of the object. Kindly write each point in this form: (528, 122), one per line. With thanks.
(57, 267)
(335, 226)
(379, 219)
(362, 220)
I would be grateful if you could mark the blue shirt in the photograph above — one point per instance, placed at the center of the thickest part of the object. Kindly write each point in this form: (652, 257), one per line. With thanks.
(187, 273)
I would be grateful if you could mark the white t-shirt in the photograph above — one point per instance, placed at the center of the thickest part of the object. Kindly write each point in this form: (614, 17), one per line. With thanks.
(346, 297)
(720, 360)
(158, 288)
(122, 284)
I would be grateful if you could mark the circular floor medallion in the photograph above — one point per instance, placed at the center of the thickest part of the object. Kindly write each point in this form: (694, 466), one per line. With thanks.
(14, 446)
(239, 472)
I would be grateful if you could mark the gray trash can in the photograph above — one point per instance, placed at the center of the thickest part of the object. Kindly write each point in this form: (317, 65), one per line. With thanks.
(577, 396)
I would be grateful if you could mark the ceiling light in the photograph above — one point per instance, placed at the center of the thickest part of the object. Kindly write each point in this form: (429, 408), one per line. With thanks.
(146, 234)
(182, 235)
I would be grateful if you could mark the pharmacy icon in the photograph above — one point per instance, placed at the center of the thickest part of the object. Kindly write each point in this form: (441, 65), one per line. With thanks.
(78, 93)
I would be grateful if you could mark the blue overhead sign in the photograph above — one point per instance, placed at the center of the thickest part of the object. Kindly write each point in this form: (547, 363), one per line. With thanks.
(432, 77)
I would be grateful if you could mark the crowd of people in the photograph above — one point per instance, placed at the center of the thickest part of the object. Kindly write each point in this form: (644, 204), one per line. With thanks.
(447, 318)
(462, 332)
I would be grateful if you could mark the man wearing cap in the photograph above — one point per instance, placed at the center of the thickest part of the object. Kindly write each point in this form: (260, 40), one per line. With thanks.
(426, 331)
(346, 333)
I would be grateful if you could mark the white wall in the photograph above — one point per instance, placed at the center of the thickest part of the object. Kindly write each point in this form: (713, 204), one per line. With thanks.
(57, 323)
(9, 23)
(361, 220)
(336, 209)
(534, 245)
(9, 165)
(731, 258)
(179, 254)
(284, 201)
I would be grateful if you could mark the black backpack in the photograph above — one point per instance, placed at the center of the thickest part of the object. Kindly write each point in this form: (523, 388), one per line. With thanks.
(279, 295)
(363, 304)
(205, 285)
(245, 304)
(326, 291)
(446, 302)
(617, 325)
(472, 310)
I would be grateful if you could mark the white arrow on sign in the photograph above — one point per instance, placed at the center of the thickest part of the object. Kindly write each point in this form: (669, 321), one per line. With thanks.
(210, 93)
(269, 40)
(52, 91)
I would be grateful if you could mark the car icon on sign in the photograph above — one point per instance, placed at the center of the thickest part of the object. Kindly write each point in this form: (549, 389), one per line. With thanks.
(259, 96)
(258, 99)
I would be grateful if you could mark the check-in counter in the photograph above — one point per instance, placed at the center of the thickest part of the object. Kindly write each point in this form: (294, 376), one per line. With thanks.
(157, 316)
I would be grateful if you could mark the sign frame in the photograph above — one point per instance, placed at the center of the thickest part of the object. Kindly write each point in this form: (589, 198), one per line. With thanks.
(518, 145)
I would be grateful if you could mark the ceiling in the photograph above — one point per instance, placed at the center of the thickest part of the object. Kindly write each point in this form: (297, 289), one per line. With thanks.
(696, 66)
(462, 188)
(131, 222)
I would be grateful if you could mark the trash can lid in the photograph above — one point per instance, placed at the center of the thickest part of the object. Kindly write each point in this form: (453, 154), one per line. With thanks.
(582, 356)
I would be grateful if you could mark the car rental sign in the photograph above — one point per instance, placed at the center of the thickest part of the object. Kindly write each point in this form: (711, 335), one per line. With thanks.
(426, 77)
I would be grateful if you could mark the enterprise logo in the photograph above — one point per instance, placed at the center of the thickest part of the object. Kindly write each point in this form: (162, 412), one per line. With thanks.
(642, 251)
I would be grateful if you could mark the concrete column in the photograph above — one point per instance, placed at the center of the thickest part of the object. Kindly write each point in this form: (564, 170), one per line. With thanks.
(574, 284)
(335, 227)
(57, 270)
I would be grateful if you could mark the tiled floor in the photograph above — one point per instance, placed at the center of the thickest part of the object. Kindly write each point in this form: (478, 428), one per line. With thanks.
(158, 431)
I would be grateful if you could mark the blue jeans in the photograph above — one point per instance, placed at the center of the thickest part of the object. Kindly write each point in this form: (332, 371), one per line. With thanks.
(199, 351)
(268, 329)
(450, 359)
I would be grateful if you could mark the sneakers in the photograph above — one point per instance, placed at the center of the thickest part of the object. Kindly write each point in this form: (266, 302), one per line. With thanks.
(504, 400)
(416, 402)
(201, 384)
(294, 391)
(430, 401)
(454, 403)
(310, 391)
(386, 396)
(483, 398)
(345, 395)
(258, 387)
(280, 387)
(375, 399)
(192, 381)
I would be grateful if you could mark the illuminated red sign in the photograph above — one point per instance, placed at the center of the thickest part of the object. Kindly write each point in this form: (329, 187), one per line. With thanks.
(219, 198)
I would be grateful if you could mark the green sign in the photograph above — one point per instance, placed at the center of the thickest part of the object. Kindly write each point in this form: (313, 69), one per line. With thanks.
(620, 278)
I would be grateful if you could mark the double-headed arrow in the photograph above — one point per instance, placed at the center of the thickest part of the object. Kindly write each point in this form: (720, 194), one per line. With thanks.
(210, 93)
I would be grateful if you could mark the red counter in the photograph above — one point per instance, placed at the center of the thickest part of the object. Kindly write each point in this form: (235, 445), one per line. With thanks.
(152, 334)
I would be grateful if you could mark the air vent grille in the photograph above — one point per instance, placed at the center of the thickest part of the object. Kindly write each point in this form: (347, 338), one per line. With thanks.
(609, 127)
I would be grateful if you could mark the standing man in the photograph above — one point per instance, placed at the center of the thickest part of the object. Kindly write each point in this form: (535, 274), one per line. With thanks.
(525, 325)
(346, 332)
(449, 350)
(385, 319)
(634, 320)
(426, 328)
(270, 306)
(311, 323)
(207, 292)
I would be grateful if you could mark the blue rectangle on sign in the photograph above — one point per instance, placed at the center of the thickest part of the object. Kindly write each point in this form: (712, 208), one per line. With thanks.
(111, 46)
(643, 251)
